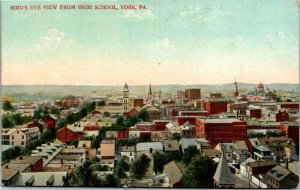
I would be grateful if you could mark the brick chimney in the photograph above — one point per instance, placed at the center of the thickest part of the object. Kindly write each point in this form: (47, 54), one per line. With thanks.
(286, 163)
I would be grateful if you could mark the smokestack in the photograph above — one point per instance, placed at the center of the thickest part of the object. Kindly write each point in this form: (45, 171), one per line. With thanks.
(286, 164)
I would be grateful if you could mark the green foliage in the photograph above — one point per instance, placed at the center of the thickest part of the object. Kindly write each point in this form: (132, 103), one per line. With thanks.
(129, 142)
(140, 166)
(274, 133)
(101, 103)
(9, 121)
(84, 173)
(10, 154)
(144, 115)
(54, 110)
(161, 159)
(106, 114)
(176, 136)
(199, 173)
(189, 153)
(110, 181)
(121, 167)
(7, 106)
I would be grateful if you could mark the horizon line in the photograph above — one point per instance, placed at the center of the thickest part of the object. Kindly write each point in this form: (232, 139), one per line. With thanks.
(144, 84)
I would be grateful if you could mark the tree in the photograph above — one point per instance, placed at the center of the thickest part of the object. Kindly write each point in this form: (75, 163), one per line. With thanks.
(17, 119)
(7, 106)
(159, 160)
(54, 110)
(140, 166)
(144, 115)
(176, 136)
(7, 122)
(106, 114)
(121, 167)
(189, 153)
(110, 181)
(199, 173)
(101, 103)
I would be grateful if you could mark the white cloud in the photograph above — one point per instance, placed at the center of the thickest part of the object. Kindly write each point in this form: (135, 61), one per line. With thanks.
(54, 39)
(139, 15)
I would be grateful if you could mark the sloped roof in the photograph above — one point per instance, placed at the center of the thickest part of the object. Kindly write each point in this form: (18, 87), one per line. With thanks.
(174, 172)
(223, 175)
(240, 145)
(148, 145)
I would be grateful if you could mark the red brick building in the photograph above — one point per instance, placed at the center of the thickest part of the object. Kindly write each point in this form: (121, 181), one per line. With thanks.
(38, 123)
(193, 94)
(289, 105)
(131, 113)
(254, 113)
(290, 129)
(50, 121)
(221, 130)
(124, 134)
(216, 107)
(182, 119)
(66, 135)
(193, 113)
(282, 116)
(180, 95)
(138, 102)
(160, 125)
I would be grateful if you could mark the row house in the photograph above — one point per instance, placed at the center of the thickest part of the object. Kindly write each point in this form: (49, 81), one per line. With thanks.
(20, 136)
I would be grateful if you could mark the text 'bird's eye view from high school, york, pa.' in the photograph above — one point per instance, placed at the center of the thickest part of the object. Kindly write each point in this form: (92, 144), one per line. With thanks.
(150, 94)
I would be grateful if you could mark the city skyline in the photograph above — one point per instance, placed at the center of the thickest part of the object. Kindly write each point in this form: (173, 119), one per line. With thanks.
(187, 43)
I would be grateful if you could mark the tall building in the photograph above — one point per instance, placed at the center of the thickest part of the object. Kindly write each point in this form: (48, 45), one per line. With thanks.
(125, 97)
(150, 98)
(193, 94)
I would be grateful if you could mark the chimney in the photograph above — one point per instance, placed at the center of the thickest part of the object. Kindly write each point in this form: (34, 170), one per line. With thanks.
(286, 164)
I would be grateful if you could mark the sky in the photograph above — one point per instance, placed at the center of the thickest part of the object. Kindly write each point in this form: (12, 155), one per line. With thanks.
(170, 42)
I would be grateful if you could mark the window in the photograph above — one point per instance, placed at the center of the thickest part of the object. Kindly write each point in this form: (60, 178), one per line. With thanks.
(13, 137)
(22, 136)
(22, 143)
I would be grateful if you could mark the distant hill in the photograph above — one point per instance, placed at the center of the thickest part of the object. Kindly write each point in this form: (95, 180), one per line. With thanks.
(52, 91)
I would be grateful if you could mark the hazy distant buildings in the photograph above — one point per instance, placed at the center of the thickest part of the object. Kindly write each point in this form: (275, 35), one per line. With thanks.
(259, 94)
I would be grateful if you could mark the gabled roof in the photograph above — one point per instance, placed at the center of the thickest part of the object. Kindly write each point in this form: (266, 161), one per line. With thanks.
(223, 175)
(174, 172)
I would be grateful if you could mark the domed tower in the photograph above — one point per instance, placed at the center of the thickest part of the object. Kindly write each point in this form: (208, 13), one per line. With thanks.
(260, 87)
(125, 97)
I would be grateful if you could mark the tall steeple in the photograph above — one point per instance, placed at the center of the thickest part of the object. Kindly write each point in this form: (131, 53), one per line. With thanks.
(150, 95)
(235, 91)
(223, 177)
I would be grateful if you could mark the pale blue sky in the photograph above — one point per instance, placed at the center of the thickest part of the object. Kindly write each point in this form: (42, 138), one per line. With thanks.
(196, 42)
